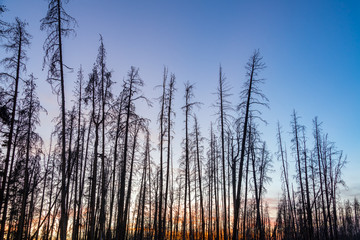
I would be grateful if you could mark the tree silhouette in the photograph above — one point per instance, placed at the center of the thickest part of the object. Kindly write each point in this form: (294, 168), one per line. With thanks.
(18, 40)
(58, 24)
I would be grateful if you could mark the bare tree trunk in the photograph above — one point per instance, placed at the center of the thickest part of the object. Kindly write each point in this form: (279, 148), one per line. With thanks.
(171, 89)
(121, 228)
(319, 158)
(325, 171)
(257, 191)
(187, 107)
(216, 188)
(11, 131)
(128, 195)
(246, 187)
(117, 136)
(159, 233)
(91, 234)
(254, 65)
(286, 177)
(43, 191)
(308, 207)
(200, 177)
(26, 180)
(63, 218)
(221, 96)
(296, 129)
(146, 158)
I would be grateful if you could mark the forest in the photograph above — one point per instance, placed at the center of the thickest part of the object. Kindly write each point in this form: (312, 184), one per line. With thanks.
(103, 176)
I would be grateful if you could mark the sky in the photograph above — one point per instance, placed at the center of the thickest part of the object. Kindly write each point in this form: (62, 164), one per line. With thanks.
(311, 50)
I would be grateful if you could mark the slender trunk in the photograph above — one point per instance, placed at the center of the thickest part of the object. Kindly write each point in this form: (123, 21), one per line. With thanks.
(7, 196)
(159, 233)
(31, 212)
(216, 188)
(186, 166)
(82, 181)
(190, 212)
(64, 191)
(210, 176)
(10, 139)
(286, 178)
(91, 234)
(200, 177)
(333, 191)
(70, 164)
(172, 201)
(299, 169)
(146, 157)
(26, 180)
(128, 195)
(77, 157)
(242, 157)
(43, 191)
(315, 201)
(221, 83)
(257, 192)
(117, 136)
(246, 188)
(156, 204)
(308, 207)
(319, 158)
(169, 111)
(325, 171)
(120, 233)
(104, 96)
(50, 199)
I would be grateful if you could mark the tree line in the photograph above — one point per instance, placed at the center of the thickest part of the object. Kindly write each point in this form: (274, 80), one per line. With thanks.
(99, 179)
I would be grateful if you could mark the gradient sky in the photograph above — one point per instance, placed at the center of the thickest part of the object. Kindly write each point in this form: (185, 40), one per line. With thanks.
(311, 49)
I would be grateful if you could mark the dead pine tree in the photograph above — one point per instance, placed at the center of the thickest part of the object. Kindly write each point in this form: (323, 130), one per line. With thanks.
(285, 174)
(118, 111)
(244, 229)
(198, 139)
(169, 102)
(143, 186)
(251, 95)
(159, 228)
(187, 110)
(78, 153)
(92, 96)
(58, 24)
(319, 157)
(30, 108)
(106, 97)
(296, 129)
(18, 41)
(131, 88)
(223, 106)
(307, 189)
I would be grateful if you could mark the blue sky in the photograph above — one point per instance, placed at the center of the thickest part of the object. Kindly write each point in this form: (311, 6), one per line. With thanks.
(311, 49)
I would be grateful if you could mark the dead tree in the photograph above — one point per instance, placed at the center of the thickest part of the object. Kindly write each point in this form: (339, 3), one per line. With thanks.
(18, 41)
(187, 110)
(30, 109)
(224, 105)
(131, 88)
(251, 95)
(169, 102)
(58, 24)
(319, 156)
(159, 228)
(285, 174)
(197, 142)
